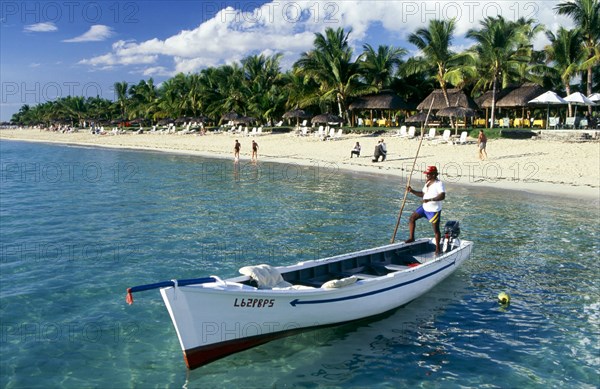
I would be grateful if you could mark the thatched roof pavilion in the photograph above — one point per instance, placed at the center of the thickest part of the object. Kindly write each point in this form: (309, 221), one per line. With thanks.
(511, 97)
(520, 96)
(456, 97)
(485, 100)
(385, 101)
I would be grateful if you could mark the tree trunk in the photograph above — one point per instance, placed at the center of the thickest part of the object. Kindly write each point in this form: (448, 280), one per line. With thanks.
(589, 87)
(445, 93)
(570, 109)
(493, 103)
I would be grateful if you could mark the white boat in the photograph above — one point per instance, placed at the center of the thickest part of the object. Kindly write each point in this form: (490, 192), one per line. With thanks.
(215, 318)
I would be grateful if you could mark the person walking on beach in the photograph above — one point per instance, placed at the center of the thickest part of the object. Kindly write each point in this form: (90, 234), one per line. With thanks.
(236, 151)
(355, 150)
(481, 143)
(254, 151)
(433, 194)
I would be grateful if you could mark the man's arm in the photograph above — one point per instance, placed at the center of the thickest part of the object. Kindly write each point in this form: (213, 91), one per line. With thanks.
(417, 193)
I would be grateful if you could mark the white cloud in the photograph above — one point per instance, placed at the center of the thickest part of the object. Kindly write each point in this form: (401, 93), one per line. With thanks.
(157, 71)
(34, 65)
(96, 33)
(41, 27)
(289, 27)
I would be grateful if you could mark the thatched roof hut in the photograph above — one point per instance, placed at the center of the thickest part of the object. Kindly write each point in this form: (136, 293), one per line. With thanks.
(456, 97)
(485, 100)
(520, 96)
(384, 100)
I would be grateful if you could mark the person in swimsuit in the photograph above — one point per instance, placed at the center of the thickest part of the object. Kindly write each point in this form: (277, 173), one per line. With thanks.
(236, 151)
(481, 142)
(254, 151)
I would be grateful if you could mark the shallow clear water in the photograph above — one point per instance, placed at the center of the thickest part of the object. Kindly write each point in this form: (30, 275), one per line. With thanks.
(80, 225)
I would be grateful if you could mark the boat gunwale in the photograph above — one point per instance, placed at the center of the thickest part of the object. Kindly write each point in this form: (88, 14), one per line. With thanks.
(235, 284)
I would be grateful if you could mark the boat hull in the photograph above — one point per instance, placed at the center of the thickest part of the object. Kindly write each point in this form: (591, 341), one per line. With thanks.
(220, 318)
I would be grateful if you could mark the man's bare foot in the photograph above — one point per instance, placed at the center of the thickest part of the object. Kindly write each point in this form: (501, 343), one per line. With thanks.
(437, 253)
(409, 241)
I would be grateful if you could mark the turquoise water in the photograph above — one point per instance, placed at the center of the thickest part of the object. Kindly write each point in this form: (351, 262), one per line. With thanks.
(80, 225)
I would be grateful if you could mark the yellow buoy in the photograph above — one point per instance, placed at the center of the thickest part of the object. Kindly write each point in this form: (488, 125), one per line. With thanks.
(503, 298)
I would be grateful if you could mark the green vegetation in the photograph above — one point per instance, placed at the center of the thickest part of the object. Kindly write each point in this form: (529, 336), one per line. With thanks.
(327, 79)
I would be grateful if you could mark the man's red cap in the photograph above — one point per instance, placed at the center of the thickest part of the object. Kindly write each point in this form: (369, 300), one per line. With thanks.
(431, 170)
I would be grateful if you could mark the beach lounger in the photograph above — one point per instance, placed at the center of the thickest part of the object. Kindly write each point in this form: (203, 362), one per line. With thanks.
(431, 135)
(445, 137)
(402, 132)
(319, 134)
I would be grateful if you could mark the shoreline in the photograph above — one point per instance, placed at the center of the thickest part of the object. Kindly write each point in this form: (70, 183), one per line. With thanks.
(550, 168)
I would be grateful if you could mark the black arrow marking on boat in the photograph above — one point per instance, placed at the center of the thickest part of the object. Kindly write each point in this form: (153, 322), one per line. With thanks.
(295, 302)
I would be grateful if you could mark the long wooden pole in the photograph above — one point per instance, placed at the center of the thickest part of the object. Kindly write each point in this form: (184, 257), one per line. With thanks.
(411, 173)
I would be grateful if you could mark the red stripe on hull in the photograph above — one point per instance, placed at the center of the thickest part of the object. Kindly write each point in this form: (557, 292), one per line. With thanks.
(200, 356)
(203, 355)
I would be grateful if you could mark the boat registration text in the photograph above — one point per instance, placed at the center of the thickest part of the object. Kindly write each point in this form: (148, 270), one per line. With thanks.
(254, 303)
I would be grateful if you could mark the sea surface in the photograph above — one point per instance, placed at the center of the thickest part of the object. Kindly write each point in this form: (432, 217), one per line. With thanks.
(79, 225)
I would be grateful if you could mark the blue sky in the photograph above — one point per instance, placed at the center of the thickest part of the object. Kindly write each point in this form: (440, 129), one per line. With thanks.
(52, 49)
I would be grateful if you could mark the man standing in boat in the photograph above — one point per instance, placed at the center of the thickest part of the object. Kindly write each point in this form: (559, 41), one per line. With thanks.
(433, 194)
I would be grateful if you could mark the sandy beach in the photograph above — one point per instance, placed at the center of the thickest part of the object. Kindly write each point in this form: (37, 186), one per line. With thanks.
(547, 167)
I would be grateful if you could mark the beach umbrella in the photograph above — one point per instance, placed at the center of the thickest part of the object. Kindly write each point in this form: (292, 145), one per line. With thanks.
(230, 116)
(199, 118)
(578, 98)
(162, 122)
(595, 97)
(456, 112)
(456, 96)
(327, 118)
(419, 118)
(244, 119)
(548, 98)
(298, 114)
(182, 120)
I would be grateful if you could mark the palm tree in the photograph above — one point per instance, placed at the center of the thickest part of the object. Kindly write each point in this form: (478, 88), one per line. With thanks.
(223, 90)
(530, 71)
(300, 91)
(500, 52)
(330, 65)
(447, 66)
(262, 81)
(121, 91)
(378, 67)
(434, 42)
(566, 54)
(73, 108)
(144, 99)
(586, 14)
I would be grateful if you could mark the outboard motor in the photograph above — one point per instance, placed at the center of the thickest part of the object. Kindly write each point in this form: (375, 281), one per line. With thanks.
(451, 233)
